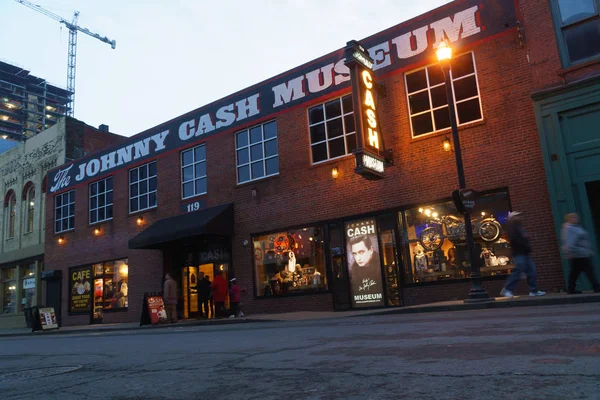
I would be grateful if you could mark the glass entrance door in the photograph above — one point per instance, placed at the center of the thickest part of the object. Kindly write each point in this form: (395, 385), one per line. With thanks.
(189, 282)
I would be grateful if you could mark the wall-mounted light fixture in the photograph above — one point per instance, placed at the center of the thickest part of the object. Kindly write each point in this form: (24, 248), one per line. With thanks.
(334, 172)
(61, 240)
(139, 220)
(254, 192)
(245, 242)
(447, 145)
(97, 231)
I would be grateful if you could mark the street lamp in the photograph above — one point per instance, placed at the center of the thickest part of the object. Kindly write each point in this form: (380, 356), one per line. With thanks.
(477, 293)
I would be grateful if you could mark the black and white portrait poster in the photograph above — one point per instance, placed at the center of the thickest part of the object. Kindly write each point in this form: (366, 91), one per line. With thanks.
(364, 267)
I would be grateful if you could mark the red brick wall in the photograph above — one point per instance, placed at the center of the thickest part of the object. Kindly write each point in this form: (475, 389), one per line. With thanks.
(95, 140)
(501, 151)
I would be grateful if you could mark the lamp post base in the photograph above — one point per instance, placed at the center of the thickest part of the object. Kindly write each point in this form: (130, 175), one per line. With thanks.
(478, 296)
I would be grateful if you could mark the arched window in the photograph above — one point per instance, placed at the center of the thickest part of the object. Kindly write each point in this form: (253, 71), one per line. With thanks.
(12, 215)
(30, 207)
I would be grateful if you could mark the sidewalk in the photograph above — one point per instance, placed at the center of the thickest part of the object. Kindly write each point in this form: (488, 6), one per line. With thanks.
(458, 305)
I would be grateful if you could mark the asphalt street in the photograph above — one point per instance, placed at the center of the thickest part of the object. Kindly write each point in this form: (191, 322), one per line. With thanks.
(531, 353)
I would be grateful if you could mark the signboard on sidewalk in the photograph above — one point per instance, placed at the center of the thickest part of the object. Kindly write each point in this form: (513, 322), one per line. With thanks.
(48, 318)
(153, 310)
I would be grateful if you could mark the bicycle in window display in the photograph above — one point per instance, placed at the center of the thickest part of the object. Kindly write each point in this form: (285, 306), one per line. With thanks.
(432, 237)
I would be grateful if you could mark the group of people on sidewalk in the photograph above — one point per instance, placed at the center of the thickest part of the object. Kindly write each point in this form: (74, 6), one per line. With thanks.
(212, 297)
(575, 247)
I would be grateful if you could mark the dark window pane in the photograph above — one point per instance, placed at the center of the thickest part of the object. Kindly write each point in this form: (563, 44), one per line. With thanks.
(422, 124)
(94, 202)
(143, 172)
(109, 197)
(416, 81)
(200, 185)
(333, 109)
(442, 118)
(272, 165)
(143, 202)
(57, 226)
(583, 40)
(133, 205)
(58, 213)
(347, 104)
(438, 96)
(72, 197)
(71, 222)
(188, 189)
(317, 133)
(93, 216)
(188, 173)
(319, 152)
(335, 128)
(270, 148)
(200, 169)
(187, 157)
(152, 184)
(419, 102)
(351, 143)
(255, 134)
(152, 169)
(465, 88)
(101, 214)
(134, 189)
(316, 114)
(93, 189)
(436, 76)
(462, 65)
(101, 200)
(575, 10)
(109, 212)
(257, 170)
(468, 111)
(349, 123)
(152, 199)
(270, 130)
(71, 210)
(256, 152)
(244, 174)
(109, 184)
(337, 148)
(133, 175)
(58, 200)
(143, 187)
(200, 153)
(242, 139)
(101, 187)
(243, 156)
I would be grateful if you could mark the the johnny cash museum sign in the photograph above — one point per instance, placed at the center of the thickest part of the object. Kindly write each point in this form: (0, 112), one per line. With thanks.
(461, 22)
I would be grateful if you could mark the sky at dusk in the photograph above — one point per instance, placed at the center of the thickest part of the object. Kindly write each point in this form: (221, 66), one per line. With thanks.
(177, 55)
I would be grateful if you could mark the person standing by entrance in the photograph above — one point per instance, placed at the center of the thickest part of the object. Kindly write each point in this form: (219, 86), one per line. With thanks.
(576, 248)
(219, 291)
(203, 296)
(521, 248)
(170, 298)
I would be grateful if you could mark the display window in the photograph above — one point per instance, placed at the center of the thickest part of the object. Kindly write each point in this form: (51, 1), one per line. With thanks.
(110, 287)
(290, 262)
(28, 297)
(9, 290)
(436, 240)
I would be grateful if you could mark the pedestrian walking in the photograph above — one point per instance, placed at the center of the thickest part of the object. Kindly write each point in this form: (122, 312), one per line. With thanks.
(235, 294)
(203, 296)
(521, 249)
(577, 249)
(170, 298)
(219, 291)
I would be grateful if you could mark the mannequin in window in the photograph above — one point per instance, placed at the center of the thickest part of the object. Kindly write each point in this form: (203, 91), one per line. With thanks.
(421, 261)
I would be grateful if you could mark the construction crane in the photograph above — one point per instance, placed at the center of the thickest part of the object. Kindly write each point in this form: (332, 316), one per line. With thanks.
(73, 28)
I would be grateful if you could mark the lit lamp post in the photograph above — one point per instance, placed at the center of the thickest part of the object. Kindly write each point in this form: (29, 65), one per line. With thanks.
(477, 293)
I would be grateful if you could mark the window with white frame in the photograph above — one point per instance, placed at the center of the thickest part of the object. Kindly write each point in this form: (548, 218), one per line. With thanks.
(427, 100)
(101, 200)
(193, 172)
(142, 187)
(331, 127)
(256, 152)
(64, 211)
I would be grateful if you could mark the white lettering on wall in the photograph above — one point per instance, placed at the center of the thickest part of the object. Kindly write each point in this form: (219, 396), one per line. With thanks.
(461, 26)
(404, 48)
(225, 116)
(124, 154)
(61, 179)
(288, 91)
(141, 148)
(159, 139)
(381, 55)
(205, 125)
(320, 79)
(247, 107)
(342, 72)
(108, 161)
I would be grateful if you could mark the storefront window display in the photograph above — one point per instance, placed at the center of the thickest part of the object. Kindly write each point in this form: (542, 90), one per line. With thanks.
(111, 286)
(436, 240)
(9, 291)
(290, 262)
(28, 286)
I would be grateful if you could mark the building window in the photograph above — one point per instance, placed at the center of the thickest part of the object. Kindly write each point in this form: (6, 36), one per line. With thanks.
(8, 277)
(111, 286)
(142, 187)
(256, 152)
(28, 285)
(193, 171)
(101, 200)
(578, 29)
(331, 127)
(289, 262)
(29, 209)
(64, 211)
(427, 102)
(12, 215)
(436, 240)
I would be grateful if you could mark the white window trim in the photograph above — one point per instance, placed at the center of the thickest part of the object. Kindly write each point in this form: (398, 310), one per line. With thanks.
(431, 109)
(327, 138)
(105, 206)
(62, 218)
(192, 149)
(147, 193)
(264, 158)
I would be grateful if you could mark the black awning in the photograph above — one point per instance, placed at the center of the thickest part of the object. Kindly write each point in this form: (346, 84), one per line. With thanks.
(216, 220)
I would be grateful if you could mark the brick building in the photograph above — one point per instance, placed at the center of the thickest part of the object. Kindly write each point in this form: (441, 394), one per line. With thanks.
(270, 184)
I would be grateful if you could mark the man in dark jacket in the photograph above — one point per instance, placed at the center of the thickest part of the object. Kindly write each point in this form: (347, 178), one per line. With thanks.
(521, 248)
(203, 296)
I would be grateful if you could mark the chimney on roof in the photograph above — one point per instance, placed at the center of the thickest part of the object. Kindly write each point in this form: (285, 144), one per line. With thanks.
(103, 128)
